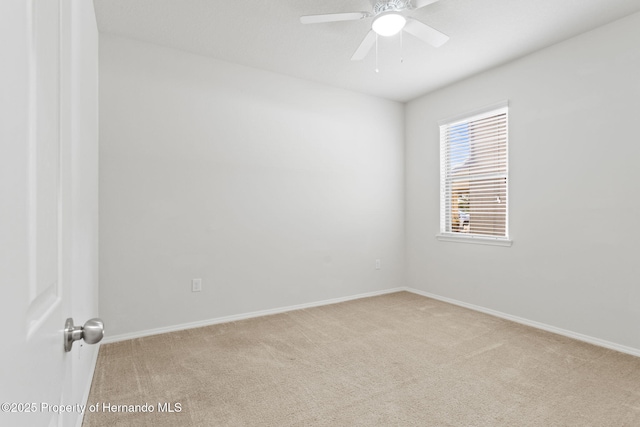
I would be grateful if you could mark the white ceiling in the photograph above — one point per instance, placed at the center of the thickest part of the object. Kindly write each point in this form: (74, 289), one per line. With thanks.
(267, 34)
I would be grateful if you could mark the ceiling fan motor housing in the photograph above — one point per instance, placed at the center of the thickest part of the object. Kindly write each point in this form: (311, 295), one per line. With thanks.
(383, 6)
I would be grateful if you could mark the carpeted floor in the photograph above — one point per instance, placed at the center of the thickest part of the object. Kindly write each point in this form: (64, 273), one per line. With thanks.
(393, 360)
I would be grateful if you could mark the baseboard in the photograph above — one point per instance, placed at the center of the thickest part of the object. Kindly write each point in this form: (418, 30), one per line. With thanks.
(570, 334)
(538, 325)
(242, 316)
(87, 388)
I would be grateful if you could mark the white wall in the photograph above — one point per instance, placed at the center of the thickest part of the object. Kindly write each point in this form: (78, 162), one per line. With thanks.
(574, 183)
(275, 191)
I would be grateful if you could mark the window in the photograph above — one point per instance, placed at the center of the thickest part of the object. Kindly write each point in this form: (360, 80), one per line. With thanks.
(473, 176)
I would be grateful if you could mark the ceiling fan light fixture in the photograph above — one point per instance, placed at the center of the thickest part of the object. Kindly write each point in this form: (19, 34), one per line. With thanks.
(388, 24)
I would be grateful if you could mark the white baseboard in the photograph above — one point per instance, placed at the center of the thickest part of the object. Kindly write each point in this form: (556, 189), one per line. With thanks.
(570, 334)
(242, 316)
(538, 325)
(87, 388)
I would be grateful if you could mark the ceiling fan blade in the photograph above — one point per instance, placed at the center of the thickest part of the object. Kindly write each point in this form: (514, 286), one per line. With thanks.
(334, 17)
(422, 3)
(366, 45)
(425, 33)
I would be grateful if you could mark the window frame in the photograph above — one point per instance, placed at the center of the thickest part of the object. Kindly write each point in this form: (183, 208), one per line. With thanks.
(445, 233)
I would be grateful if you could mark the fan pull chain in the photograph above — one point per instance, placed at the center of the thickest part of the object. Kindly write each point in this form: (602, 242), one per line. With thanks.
(377, 69)
(401, 45)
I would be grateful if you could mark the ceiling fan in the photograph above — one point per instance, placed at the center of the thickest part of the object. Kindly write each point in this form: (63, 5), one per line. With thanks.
(389, 18)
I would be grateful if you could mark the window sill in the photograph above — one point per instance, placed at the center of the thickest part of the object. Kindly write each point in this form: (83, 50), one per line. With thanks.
(474, 240)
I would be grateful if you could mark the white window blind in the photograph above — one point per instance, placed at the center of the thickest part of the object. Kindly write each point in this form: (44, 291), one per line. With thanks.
(473, 175)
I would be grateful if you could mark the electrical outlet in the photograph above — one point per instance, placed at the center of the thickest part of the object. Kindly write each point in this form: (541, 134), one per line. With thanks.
(378, 264)
(196, 285)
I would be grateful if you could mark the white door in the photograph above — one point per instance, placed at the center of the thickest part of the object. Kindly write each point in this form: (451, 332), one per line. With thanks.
(46, 217)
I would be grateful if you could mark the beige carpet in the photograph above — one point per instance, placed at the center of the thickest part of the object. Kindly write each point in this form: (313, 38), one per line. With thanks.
(394, 360)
